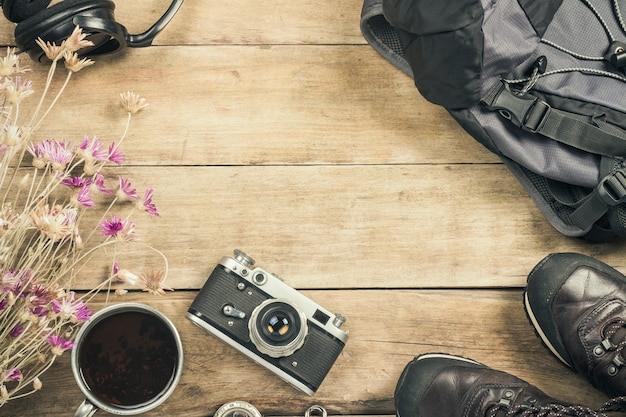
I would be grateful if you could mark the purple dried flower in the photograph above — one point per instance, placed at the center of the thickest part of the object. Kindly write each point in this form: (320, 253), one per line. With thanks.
(92, 149)
(126, 192)
(13, 374)
(59, 344)
(75, 311)
(116, 155)
(75, 182)
(118, 228)
(148, 205)
(16, 331)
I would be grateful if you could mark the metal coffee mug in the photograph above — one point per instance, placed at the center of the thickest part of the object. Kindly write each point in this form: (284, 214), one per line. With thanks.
(127, 360)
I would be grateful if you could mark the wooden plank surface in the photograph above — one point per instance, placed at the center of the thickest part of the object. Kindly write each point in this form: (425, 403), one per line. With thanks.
(357, 226)
(241, 105)
(201, 22)
(403, 323)
(272, 127)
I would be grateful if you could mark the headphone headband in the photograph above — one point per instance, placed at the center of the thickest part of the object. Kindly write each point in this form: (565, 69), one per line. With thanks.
(24, 10)
(146, 38)
(95, 17)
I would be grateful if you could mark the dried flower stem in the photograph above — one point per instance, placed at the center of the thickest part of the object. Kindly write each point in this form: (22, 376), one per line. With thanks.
(54, 101)
(42, 251)
(46, 88)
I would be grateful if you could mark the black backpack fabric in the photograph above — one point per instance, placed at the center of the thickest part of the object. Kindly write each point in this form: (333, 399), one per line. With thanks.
(541, 84)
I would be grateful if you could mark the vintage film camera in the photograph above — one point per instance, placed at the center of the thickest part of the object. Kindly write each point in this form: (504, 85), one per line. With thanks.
(270, 322)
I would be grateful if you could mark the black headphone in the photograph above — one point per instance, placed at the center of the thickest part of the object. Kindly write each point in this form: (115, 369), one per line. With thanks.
(95, 17)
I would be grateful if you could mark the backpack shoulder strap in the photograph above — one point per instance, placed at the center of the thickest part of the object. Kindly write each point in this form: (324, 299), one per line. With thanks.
(382, 36)
(607, 196)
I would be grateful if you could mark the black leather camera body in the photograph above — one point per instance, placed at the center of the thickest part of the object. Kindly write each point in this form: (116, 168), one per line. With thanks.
(269, 321)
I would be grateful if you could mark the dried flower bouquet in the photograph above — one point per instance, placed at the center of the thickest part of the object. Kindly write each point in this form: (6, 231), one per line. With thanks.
(46, 187)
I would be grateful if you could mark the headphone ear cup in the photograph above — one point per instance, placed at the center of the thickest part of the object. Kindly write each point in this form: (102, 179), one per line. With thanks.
(20, 10)
(56, 23)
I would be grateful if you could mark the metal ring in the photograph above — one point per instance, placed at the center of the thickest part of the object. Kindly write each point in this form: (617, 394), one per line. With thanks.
(315, 408)
(237, 408)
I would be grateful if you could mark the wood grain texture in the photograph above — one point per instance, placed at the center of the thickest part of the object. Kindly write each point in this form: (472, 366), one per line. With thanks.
(274, 128)
(258, 105)
(363, 226)
(201, 22)
(387, 329)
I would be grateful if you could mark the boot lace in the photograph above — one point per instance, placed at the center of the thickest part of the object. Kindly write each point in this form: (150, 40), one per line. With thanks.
(613, 330)
(608, 332)
(556, 410)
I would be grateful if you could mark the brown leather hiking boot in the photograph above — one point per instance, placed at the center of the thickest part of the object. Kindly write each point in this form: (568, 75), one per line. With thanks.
(577, 305)
(440, 385)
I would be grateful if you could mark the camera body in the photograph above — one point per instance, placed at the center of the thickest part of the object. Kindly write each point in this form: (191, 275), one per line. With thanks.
(269, 321)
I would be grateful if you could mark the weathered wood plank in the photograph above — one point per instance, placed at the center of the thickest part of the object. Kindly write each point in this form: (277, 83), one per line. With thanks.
(239, 22)
(350, 226)
(274, 128)
(240, 105)
(387, 329)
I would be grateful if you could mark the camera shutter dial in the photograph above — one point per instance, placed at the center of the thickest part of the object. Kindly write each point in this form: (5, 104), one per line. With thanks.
(243, 259)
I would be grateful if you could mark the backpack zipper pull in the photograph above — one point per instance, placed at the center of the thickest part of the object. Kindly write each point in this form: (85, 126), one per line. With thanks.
(616, 56)
(538, 68)
(540, 64)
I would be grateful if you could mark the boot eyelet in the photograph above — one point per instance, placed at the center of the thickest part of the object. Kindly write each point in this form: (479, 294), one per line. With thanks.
(607, 345)
(598, 351)
(507, 398)
(529, 403)
(612, 370)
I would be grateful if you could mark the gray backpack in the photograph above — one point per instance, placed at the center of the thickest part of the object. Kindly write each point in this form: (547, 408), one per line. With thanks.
(541, 83)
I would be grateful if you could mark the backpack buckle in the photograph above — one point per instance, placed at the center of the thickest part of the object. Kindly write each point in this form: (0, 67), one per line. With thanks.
(612, 188)
(536, 116)
(523, 110)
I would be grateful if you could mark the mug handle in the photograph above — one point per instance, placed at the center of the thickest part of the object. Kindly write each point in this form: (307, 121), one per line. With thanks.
(86, 409)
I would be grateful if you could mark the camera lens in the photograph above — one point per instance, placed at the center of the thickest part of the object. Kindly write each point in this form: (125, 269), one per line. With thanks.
(277, 328)
(278, 324)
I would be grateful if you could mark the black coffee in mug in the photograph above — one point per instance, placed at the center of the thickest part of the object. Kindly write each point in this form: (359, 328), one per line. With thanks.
(128, 359)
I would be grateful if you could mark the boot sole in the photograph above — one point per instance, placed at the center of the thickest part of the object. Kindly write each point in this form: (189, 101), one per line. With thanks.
(447, 356)
(539, 332)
